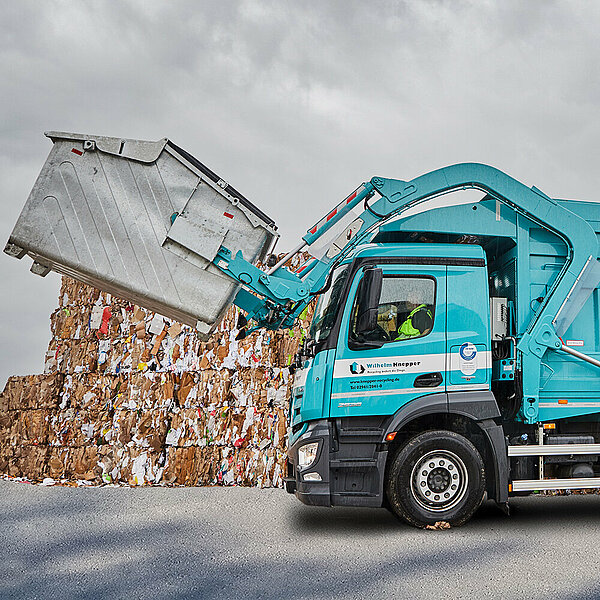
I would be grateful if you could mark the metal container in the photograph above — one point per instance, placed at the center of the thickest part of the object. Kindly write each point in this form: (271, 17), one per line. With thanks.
(140, 220)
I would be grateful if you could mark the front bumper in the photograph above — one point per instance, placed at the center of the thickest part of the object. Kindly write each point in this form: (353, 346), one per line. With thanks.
(350, 462)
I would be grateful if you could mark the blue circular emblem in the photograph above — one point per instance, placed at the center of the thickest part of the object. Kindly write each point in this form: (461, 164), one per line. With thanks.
(468, 351)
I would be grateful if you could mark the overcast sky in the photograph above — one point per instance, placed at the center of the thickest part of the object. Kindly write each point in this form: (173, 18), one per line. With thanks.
(294, 103)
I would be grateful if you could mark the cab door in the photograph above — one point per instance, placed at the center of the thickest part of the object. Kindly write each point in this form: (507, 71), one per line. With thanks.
(468, 345)
(377, 373)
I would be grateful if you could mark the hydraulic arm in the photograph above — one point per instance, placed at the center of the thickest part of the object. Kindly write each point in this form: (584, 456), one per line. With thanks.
(279, 296)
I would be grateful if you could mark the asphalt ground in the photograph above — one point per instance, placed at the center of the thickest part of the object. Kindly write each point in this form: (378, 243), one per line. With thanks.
(72, 543)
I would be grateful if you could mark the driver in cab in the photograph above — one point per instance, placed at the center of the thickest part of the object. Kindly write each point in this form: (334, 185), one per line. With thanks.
(418, 322)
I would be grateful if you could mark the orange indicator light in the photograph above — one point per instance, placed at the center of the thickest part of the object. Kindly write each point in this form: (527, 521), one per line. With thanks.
(549, 425)
(563, 401)
(390, 436)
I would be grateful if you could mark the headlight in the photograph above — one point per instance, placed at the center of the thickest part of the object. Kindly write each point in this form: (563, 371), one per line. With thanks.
(307, 454)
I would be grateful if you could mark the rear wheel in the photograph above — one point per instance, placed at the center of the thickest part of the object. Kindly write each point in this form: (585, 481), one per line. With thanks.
(436, 476)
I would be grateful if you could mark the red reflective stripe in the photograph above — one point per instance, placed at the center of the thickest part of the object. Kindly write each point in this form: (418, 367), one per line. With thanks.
(351, 197)
(335, 210)
(76, 151)
(228, 215)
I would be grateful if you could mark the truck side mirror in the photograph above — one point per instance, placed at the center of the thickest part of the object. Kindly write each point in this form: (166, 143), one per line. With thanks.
(368, 300)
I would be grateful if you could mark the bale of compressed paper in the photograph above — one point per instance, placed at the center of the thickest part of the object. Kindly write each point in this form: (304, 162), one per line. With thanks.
(130, 397)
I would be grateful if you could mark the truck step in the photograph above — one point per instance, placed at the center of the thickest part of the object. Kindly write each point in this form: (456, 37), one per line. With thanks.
(528, 485)
(553, 450)
(369, 435)
(351, 464)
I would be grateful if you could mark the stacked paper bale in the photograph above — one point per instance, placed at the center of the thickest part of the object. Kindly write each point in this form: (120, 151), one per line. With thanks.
(131, 397)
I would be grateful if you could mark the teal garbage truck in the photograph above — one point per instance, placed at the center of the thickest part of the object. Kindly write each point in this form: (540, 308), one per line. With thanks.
(453, 353)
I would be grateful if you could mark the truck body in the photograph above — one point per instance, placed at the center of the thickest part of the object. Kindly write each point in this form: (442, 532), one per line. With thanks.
(453, 352)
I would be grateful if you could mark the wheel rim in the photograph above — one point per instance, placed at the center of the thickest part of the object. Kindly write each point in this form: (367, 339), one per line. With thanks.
(439, 480)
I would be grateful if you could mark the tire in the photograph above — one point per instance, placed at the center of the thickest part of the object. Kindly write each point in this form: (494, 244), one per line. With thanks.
(436, 476)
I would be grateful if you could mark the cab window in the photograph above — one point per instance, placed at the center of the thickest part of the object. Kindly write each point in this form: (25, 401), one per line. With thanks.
(327, 306)
(406, 310)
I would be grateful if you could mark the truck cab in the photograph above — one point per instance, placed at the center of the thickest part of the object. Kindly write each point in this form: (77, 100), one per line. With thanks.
(367, 384)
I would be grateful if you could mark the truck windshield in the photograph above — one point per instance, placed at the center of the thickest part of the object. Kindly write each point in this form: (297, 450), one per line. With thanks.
(327, 306)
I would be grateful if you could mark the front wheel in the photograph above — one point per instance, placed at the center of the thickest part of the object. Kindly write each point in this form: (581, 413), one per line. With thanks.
(436, 476)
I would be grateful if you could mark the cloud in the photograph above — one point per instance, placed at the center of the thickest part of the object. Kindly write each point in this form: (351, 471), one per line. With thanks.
(296, 103)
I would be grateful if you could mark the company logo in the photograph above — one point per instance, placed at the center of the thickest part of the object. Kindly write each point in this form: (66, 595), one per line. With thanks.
(356, 369)
(468, 351)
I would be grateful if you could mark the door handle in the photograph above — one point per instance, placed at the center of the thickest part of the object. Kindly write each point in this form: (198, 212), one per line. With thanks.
(428, 380)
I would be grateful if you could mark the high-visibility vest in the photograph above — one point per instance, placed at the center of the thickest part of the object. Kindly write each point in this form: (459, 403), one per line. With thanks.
(406, 329)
